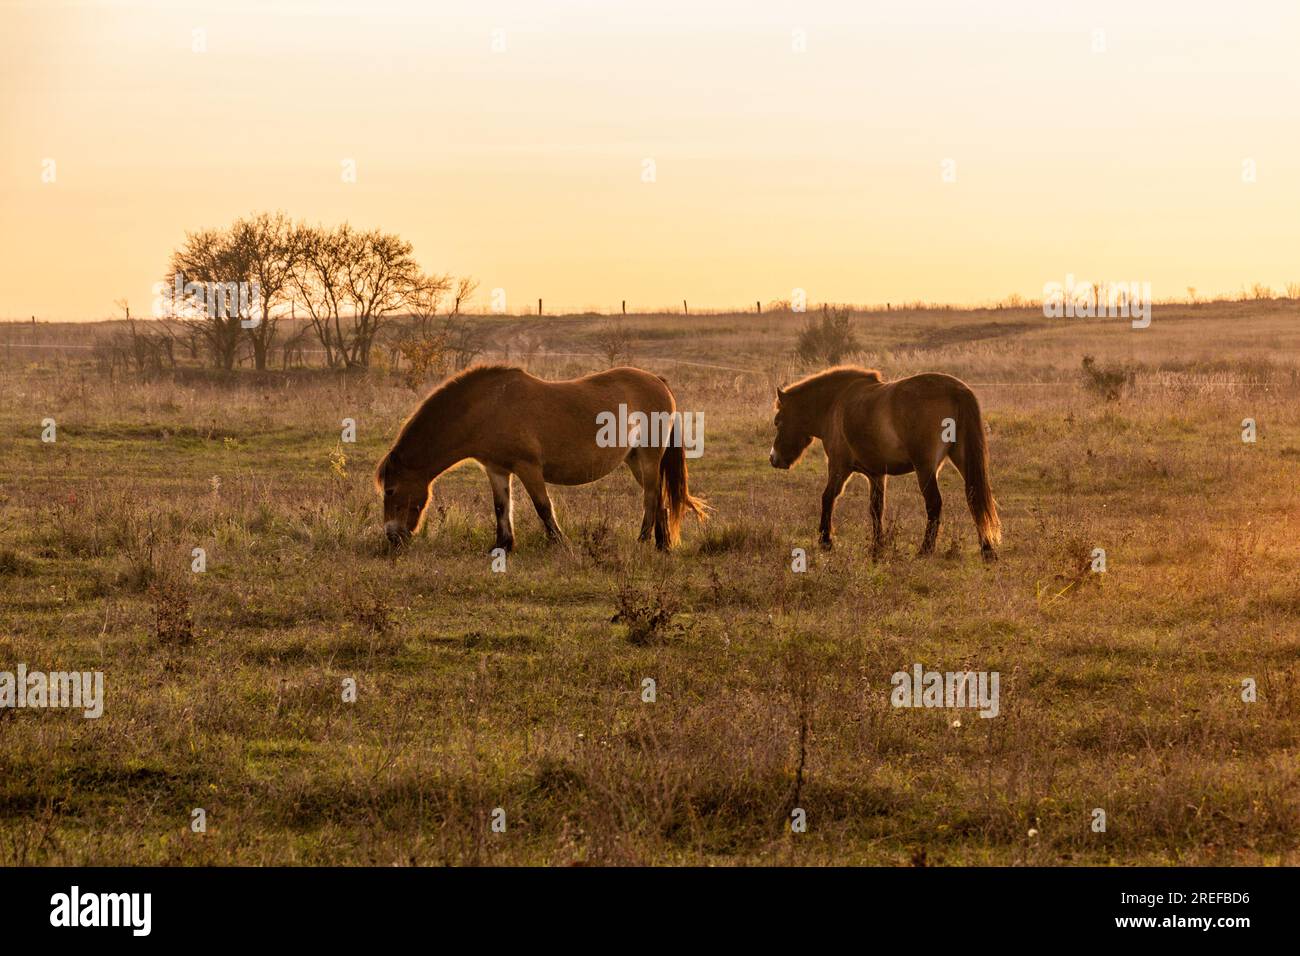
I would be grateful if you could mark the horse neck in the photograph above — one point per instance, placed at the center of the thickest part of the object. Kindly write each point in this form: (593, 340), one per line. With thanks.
(818, 404)
(434, 443)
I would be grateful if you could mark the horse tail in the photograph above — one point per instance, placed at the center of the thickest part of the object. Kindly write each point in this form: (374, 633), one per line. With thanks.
(674, 495)
(974, 459)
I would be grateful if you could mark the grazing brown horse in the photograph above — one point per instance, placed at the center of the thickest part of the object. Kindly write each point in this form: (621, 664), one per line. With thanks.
(514, 424)
(876, 428)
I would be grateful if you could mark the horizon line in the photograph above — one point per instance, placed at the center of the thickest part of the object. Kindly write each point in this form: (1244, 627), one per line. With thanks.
(1012, 302)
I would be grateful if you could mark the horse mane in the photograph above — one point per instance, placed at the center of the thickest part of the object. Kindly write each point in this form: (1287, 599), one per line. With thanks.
(450, 390)
(839, 373)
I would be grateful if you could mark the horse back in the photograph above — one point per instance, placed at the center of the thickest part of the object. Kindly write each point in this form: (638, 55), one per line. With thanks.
(583, 398)
(556, 423)
(893, 426)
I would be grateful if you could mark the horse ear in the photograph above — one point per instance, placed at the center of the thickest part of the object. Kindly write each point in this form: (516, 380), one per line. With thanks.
(780, 393)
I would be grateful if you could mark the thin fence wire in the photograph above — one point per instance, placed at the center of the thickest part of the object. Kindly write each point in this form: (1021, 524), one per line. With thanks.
(691, 364)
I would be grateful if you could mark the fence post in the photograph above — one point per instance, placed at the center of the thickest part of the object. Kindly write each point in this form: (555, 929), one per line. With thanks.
(685, 310)
(539, 306)
(758, 306)
(625, 306)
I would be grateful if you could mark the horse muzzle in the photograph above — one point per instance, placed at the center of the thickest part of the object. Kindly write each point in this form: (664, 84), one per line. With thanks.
(776, 461)
(396, 534)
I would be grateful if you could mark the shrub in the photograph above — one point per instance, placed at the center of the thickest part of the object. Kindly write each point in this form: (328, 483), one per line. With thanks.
(614, 341)
(426, 358)
(646, 612)
(1107, 382)
(173, 620)
(827, 340)
(13, 563)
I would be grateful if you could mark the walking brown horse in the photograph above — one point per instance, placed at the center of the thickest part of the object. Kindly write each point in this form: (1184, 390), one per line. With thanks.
(876, 428)
(541, 432)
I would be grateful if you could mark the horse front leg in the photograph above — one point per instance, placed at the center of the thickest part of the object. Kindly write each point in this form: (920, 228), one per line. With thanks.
(531, 477)
(835, 480)
(503, 505)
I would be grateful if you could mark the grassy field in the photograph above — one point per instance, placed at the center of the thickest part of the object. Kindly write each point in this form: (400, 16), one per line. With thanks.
(1120, 691)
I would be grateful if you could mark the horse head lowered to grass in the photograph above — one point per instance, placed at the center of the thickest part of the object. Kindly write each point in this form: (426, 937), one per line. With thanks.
(514, 424)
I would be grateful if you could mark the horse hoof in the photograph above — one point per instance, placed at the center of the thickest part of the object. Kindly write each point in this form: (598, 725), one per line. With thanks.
(827, 544)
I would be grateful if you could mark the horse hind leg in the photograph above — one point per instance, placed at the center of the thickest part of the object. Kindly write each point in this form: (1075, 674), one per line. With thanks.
(877, 513)
(928, 479)
(644, 463)
(958, 458)
(648, 478)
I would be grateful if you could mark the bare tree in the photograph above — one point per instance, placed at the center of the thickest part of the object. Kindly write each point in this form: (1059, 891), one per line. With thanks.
(465, 340)
(291, 348)
(149, 346)
(207, 270)
(225, 283)
(424, 302)
(429, 347)
(268, 244)
(381, 279)
(465, 288)
(319, 283)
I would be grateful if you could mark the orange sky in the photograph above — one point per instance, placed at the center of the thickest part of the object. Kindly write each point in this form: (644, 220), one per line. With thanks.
(775, 169)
